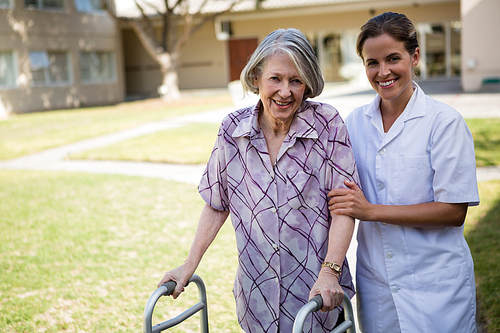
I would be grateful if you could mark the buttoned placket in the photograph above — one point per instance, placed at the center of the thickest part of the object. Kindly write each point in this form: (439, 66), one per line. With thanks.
(388, 232)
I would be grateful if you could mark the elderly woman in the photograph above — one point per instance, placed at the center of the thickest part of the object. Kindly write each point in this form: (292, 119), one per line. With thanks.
(271, 169)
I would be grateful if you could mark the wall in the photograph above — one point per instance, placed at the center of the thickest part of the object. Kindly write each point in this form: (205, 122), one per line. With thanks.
(205, 60)
(24, 30)
(480, 42)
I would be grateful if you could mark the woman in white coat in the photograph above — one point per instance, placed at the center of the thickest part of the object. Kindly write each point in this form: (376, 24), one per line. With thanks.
(416, 163)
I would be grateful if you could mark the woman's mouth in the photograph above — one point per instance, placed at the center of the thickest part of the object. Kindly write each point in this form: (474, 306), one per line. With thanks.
(282, 103)
(385, 84)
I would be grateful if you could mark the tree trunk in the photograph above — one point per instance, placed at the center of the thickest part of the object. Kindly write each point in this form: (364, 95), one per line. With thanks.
(169, 90)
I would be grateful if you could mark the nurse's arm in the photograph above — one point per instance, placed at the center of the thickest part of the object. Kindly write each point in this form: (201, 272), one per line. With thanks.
(327, 284)
(211, 220)
(352, 202)
(425, 215)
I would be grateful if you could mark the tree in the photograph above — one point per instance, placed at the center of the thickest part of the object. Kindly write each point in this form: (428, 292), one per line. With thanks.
(178, 20)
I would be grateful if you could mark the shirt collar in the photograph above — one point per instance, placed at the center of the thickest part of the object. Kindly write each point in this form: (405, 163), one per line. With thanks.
(414, 109)
(302, 125)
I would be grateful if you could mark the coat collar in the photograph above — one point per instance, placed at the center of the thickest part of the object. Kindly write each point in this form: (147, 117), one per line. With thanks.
(414, 109)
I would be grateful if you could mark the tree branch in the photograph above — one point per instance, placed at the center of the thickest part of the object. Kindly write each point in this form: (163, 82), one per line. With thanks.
(147, 22)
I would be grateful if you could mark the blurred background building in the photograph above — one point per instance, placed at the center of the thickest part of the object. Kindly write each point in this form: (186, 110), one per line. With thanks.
(70, 53)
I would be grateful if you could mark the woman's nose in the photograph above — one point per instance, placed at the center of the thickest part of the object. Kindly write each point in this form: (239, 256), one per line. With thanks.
(384, 70)
(285, 91)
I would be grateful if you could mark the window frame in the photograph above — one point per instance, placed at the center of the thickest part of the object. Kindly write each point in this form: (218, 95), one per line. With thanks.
(93, 78)
(9, 5)
(47, 69)
(15, 72)
(90, 3)
(40, 5)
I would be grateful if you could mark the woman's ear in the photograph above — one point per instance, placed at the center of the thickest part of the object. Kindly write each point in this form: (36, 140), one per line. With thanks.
(415, 58)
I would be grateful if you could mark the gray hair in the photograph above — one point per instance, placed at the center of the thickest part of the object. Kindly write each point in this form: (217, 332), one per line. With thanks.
(294, 44)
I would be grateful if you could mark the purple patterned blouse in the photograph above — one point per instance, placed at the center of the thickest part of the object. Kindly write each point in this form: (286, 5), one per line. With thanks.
(279, 213)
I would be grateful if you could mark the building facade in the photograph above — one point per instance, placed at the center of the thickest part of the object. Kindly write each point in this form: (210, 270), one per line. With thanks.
(450, 33)
(57, 54)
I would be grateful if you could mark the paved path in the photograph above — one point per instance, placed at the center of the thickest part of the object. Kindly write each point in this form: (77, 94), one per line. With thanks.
(54, 159)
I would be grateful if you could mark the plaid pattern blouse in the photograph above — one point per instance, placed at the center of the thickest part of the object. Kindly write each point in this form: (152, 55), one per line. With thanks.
(279, 213)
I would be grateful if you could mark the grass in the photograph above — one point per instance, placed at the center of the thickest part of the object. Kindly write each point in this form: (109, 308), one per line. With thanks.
(82, 253)
(30, 133)
(486, 134)
(483, 235)
(191, 144)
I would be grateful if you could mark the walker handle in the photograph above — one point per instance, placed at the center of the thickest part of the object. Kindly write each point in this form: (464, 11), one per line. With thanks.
(170, 285)
(319, 302)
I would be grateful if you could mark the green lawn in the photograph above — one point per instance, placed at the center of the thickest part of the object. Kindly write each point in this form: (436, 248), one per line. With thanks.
(30, 133)
(82, 253)
(191, 144)
(483, 235)
(486, 134)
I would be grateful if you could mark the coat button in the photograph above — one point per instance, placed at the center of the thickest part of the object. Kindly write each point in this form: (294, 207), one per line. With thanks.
(381, 186)
(382, 151)
(273, 210)
(394, 289)
(389, 255)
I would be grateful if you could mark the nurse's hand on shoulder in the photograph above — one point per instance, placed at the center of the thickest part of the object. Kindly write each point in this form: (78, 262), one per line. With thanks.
(329, 288)
(350, 201)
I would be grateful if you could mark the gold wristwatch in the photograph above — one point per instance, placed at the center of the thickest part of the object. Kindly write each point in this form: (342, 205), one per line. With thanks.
(335, 267)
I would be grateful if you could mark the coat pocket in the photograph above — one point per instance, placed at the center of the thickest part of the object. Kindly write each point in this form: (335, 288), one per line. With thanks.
(414, 180)
(447, 299)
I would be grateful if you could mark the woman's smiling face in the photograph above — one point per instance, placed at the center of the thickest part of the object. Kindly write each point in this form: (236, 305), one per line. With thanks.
(389, 67)
(281, 89)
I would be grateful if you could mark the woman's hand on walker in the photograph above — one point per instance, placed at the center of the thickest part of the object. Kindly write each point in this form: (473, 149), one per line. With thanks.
(349, 201)
(180, 275)
(329, 288)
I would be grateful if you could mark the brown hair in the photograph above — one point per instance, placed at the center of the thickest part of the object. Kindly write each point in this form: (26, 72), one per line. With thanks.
(398, 26)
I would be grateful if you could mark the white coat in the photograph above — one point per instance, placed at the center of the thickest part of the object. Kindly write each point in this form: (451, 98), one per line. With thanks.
(414, 279)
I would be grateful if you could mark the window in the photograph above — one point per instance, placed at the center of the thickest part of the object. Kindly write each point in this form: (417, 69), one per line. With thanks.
(5, 3)
(97, 66)
(88, 6)
(49, 68)
(7, 69)
(44, 4)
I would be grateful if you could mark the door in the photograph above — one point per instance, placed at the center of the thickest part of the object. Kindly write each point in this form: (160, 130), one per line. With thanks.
(240, 51)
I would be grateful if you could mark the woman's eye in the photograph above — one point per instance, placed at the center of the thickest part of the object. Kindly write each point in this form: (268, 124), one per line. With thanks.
(371, 63)
(274, 78)
(297, 82)
(394, 59)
